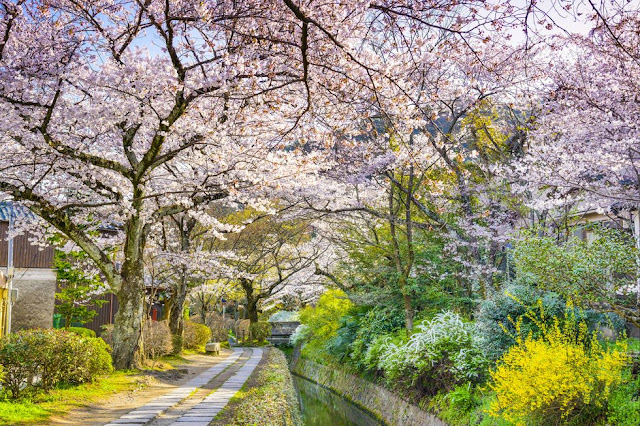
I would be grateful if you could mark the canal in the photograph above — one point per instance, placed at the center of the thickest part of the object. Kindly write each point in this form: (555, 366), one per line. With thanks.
(321, 407)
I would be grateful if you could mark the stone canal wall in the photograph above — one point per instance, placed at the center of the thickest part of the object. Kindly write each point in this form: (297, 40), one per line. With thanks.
(382, 403)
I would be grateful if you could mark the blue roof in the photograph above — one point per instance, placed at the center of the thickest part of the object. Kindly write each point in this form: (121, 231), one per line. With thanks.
(19, 212)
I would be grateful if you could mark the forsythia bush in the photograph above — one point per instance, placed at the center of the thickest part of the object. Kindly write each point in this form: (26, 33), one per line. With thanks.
(196, 335)
(564, 373)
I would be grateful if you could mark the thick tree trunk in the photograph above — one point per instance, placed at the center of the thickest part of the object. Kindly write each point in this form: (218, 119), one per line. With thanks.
(128, 350)
(252, 310)
(127, 330)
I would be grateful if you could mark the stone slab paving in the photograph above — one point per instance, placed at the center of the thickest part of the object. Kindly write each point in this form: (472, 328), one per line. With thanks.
(204, 412)
(151, 410)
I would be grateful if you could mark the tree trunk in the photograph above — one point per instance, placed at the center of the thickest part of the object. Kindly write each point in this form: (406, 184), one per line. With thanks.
(252, 310)
(176, 320)
(128, 350)
(127, 331)
(168, 307)
(408, 312)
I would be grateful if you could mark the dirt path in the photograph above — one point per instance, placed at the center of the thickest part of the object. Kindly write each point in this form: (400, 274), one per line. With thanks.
(157, 384)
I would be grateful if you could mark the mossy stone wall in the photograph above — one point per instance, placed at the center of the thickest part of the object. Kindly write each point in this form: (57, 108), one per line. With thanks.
(382, 403)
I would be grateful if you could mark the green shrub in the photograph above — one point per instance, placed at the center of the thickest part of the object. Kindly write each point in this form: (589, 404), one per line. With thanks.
(82, 331)
(44, 358)
(157, 339)
(107, 334)
(196, 335)
(259, 331)
(460, 406)
(624, 403)
(339, 346)
(440, 354)
(20, 361)
(300, 335)
(378, 348)
(498, 314)
(375, 322)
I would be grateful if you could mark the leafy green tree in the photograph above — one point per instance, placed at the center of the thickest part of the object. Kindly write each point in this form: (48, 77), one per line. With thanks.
(323, 321)
(599, 272)
(78, 289)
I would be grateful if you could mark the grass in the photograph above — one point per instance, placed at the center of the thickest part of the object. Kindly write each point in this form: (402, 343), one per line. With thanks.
(38, 408)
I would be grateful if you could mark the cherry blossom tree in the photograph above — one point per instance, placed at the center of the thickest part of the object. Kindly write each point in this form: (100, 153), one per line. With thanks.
(585, 141)
(119, 113)
(271, 256)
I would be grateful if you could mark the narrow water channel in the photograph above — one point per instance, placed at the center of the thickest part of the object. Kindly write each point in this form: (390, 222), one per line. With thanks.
(321, 407)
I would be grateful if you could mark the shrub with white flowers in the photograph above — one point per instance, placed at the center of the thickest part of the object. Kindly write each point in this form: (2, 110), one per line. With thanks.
(300, 335)
(441, 352)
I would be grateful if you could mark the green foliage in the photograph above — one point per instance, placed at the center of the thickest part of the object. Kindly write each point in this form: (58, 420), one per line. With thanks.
(323, 321)
(300, 335)
(52, 356)
(372, 274)
(587, 272)
(624, 403)
(378, 349)
(77, 289)
(81, 331)
(259, 331)
(339, 345)
(196, 335)
(461, 406)
(499, 314)
(438, 355)
(375, 322)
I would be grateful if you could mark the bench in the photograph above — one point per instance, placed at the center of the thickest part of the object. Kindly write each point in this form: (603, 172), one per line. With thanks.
(212, 347)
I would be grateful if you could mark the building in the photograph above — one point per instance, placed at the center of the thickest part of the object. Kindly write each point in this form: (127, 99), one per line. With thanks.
(34, 280)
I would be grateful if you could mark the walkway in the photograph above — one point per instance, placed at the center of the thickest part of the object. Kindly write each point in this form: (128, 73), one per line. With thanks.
(193, 404)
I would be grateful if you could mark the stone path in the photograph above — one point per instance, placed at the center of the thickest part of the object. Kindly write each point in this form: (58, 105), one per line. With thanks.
(204, 411)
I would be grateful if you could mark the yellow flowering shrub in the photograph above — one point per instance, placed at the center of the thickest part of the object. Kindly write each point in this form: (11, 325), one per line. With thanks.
(553, 378)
